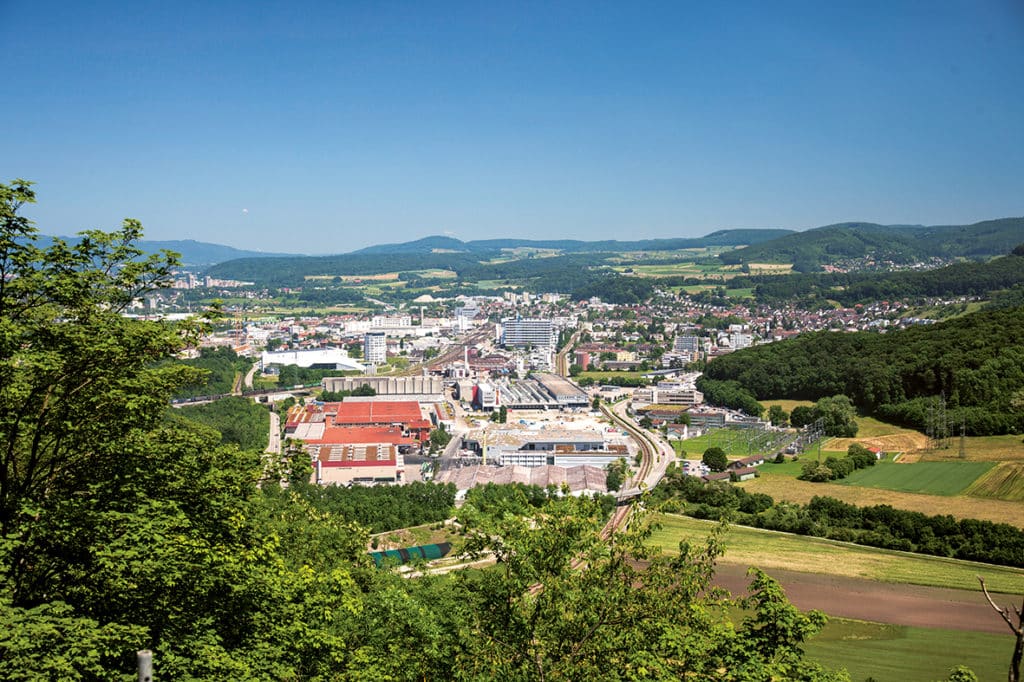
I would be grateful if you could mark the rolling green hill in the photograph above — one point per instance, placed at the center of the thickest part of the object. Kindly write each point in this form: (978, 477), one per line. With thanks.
(899, 244)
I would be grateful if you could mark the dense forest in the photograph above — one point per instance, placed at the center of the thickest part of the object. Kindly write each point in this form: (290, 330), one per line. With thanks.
(382, 508)
(119, 533)
(976, 362)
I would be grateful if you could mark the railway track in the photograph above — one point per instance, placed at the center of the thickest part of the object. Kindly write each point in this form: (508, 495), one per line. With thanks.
(648, 450)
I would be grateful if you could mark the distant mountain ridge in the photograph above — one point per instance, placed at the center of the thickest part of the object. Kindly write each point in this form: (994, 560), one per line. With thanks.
(897, 243)
(193, 253)
(437, 243)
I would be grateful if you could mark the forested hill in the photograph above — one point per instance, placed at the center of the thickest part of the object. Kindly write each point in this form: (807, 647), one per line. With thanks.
(720, 238)
(899, 244)
(976, 361)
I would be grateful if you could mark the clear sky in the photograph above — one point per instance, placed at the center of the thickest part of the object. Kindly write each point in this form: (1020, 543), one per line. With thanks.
(324, 127)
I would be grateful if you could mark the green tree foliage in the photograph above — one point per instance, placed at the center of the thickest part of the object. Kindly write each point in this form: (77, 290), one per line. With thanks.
(382, 508)
(715, 459)
(537, 617)
(857, 457)
(778, 416)
(239, 421)
(221, 365)
(617, 472)
(803, 415)
(293, 375)
(731, 394)
(839, 418)
(979, 358)
(439, 439)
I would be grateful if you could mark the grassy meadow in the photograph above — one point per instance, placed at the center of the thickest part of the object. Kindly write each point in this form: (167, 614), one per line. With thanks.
(894, 652)
(772, 549)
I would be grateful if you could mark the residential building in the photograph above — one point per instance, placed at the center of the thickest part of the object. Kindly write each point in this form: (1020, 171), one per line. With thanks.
(375, 348)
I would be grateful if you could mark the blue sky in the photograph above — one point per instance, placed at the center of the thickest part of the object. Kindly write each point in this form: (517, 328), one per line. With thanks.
(325, 127)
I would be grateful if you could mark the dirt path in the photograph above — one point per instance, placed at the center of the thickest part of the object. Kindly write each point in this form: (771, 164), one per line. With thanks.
(913, 605)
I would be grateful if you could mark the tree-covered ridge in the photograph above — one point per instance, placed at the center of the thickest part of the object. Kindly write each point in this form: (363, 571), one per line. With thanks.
(976, 362)
(736, 237)
(899, 244)
(221, 367)
(579, 275)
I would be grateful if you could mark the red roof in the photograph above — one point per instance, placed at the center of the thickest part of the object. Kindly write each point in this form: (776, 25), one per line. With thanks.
(362, 434)
(374, 412)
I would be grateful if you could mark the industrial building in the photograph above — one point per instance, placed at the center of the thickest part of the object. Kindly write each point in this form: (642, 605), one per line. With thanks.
(513, 444)
(542, 392)
(423, 389)
(358, 442)
(580, 480)
(325, 358)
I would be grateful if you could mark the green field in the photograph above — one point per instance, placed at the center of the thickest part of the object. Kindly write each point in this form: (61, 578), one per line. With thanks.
(770, 549)
(930, 478)
(893, 652)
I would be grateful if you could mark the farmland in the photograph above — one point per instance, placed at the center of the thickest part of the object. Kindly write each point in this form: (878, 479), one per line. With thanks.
(773, 550)
(901, 587)
(1004, 482)
(930, 478)
(789, 489)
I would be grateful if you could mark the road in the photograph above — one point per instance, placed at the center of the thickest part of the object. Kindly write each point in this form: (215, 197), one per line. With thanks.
(274, 441)
(249, 375)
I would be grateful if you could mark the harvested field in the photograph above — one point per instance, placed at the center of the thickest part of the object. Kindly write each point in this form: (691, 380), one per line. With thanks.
(961, 507)
(1004, 482)
(905, 441)
(981, 449)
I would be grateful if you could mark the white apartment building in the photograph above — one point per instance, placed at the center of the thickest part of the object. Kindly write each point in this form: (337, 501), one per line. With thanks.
(375, 348)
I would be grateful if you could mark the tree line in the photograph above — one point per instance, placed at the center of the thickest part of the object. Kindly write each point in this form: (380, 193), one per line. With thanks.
(874, 526)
